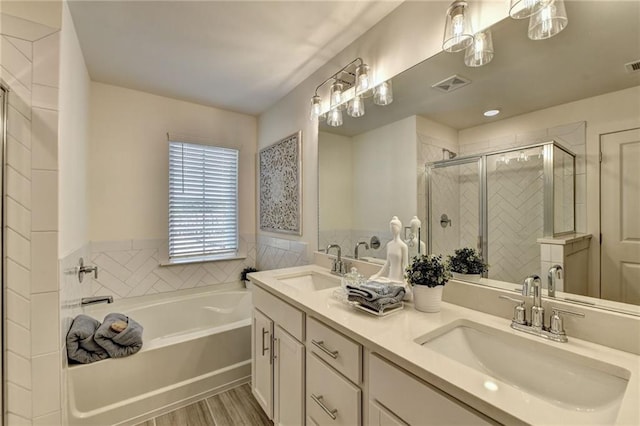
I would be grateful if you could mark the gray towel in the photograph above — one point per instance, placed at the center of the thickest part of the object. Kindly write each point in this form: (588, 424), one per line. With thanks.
(81, 347)
(382, 293)
(119, 344)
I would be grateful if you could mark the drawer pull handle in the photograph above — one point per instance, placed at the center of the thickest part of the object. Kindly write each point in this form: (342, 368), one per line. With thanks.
(320, 345)
(330, 413)
(264, 348)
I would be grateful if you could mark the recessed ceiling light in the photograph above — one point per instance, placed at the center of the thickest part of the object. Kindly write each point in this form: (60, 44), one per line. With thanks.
(491, 112)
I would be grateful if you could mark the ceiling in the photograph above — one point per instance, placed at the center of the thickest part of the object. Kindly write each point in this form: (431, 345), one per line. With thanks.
(238, 55)
(586, 59)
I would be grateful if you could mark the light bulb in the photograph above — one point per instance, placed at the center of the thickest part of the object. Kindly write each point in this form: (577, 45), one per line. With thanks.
(550, 21)
(521, 9)
(457, 30)
(362, 78)
(481, 51)
(336, 94)
(383, 94)
(316, 107)
(334, 117)
(356, 107)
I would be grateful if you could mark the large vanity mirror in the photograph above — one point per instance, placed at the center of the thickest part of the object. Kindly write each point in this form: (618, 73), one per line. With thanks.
(573, 91)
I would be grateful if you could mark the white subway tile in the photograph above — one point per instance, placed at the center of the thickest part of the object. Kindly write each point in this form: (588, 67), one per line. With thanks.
(44, 252)
(18, 157)
(557, 253)
(16, 62)
(545, 252)
(19, 127)
(44, 323)
(18, 309)
(20, 97)
(44, 200)
(19, 400)
(51, 419)
(44, 139)
(18, 279)
(18, 218)
(46, 61)
(45, 373)
(15, 420)
(18, 187)
(25, 47)
(18, 370)
(18, 339)
(114, 286)
(44, 97)
(18, 248)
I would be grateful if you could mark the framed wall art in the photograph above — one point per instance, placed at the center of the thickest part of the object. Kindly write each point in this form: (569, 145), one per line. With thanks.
(280, 184)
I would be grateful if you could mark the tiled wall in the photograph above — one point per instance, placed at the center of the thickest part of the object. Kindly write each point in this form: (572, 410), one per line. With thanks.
(130, 268)
(274, 253)
(30, 69)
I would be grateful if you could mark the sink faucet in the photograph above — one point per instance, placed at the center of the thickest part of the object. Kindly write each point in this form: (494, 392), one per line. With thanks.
(366, 246)
(338, 267)
(96, 299)
(555, 272)
(532, 287)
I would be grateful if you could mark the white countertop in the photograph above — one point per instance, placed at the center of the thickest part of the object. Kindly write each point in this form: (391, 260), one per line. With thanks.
(393, 338)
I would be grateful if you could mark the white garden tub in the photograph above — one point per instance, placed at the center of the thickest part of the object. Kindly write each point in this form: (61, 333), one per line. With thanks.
(194, 346)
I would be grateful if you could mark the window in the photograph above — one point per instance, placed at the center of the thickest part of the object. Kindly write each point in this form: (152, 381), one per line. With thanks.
(203, 202)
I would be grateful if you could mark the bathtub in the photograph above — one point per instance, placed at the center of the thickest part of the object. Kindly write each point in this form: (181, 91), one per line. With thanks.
(194, 346)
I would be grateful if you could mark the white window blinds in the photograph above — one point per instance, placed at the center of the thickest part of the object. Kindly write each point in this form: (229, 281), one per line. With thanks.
(203, 201)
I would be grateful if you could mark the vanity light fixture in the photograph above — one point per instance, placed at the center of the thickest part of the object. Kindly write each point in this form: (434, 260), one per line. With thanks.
(491, 112)
(356, 75)
(549, 21)
(481, 50)
(457, 30)
(521, 9)
(383, 93)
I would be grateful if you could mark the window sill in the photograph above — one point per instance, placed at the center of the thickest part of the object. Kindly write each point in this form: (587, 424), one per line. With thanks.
(192, 260)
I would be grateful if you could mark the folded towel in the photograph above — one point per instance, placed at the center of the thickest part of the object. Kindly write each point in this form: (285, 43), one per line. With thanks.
(119, 335)
(375, 292)
(376, 305)
(81, 346)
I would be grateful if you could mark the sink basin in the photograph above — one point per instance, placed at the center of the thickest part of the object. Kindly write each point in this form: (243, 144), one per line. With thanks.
(311, 281)
(565, 379)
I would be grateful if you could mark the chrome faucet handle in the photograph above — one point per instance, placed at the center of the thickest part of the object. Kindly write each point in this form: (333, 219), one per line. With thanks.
(519, 313)
(556, 325)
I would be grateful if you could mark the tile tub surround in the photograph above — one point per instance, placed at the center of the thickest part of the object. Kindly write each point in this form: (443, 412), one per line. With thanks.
(395, 341)
(274, 253)
(130, 268)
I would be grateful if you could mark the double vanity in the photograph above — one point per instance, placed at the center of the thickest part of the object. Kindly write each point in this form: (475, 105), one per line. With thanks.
(317, 361)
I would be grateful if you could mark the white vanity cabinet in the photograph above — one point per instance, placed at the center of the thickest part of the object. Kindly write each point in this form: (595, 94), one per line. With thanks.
(398, 398)
(278, 358)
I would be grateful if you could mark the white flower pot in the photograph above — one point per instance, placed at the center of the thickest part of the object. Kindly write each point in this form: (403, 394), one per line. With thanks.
(467, 277)
(427, 299)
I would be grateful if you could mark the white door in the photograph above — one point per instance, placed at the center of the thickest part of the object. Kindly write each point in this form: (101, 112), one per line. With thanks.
(261, 362)
(620, 216)
(288, 375)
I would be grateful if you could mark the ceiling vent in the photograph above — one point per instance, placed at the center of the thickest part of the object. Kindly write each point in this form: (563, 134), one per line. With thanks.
(452, 83)
(633, 66)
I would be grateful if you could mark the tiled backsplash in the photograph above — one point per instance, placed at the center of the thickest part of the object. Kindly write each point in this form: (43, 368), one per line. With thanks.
(274, 253)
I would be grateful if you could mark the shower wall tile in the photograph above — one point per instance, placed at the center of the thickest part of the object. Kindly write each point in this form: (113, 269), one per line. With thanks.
(45, 372)
(19, 126)
(44, 323)
(19, 400)
(18, 218)
(44, 139)
(275, 253)
(18, 370)
(18, 248)
(54, 418)
(44, 205)
(18, 187)
(130, 268)
(21, 95)
(44, 273)
(44, 97)
(46, 60)
(16, 62)
(18, 156)
(18, 278)
(18, 309)
(25, 47)
(18, 339)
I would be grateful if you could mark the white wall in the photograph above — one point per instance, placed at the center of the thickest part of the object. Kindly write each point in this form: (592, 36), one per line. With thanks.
(128, 159)
(73, 142)
(405, 37)
(335, 183)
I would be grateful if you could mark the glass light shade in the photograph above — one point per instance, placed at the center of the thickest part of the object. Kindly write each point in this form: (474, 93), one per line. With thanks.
(336, 94)
(316, 107)
(549, 21)
(362, 78)
(356, 107)
(457, 30)
(334, 117)
(383, 93)
(481, 51)
(521, 9)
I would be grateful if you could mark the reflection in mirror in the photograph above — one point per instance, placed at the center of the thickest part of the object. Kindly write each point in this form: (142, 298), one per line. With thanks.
(571, 88)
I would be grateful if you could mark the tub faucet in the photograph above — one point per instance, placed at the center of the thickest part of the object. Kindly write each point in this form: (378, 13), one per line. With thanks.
(366, 246)
(555, 272)
(96, 299)
(338, 267)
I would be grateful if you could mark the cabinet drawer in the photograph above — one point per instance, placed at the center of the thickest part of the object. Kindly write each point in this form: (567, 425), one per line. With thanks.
(331, 399)
(338, 351)
(283, 314)
(414, 401)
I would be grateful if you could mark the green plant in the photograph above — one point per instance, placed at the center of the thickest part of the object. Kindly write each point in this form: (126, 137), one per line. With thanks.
(467, 261)
(427, 270)
(245, 271)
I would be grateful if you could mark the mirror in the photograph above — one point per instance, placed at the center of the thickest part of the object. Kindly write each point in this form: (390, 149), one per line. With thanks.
(373, 167)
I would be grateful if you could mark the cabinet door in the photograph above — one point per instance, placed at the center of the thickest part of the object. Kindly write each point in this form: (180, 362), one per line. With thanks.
(288, 377)
(261, 362)
(380, 416)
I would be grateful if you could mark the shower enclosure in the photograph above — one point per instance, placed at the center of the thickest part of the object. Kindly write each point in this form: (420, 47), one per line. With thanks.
(501, 203)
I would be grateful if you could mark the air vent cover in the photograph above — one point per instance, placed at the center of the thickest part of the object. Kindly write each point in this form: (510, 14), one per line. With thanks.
(452, 83)
(633, 66)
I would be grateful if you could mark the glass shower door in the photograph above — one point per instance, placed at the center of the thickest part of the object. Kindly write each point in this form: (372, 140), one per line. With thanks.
(454, 205)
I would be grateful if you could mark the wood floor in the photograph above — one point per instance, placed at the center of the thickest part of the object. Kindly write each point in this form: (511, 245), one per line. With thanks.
(236, 406)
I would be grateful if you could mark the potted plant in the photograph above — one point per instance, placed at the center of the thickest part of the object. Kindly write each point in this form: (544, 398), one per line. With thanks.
(467, 264)
(243, 274)
(427, 275)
